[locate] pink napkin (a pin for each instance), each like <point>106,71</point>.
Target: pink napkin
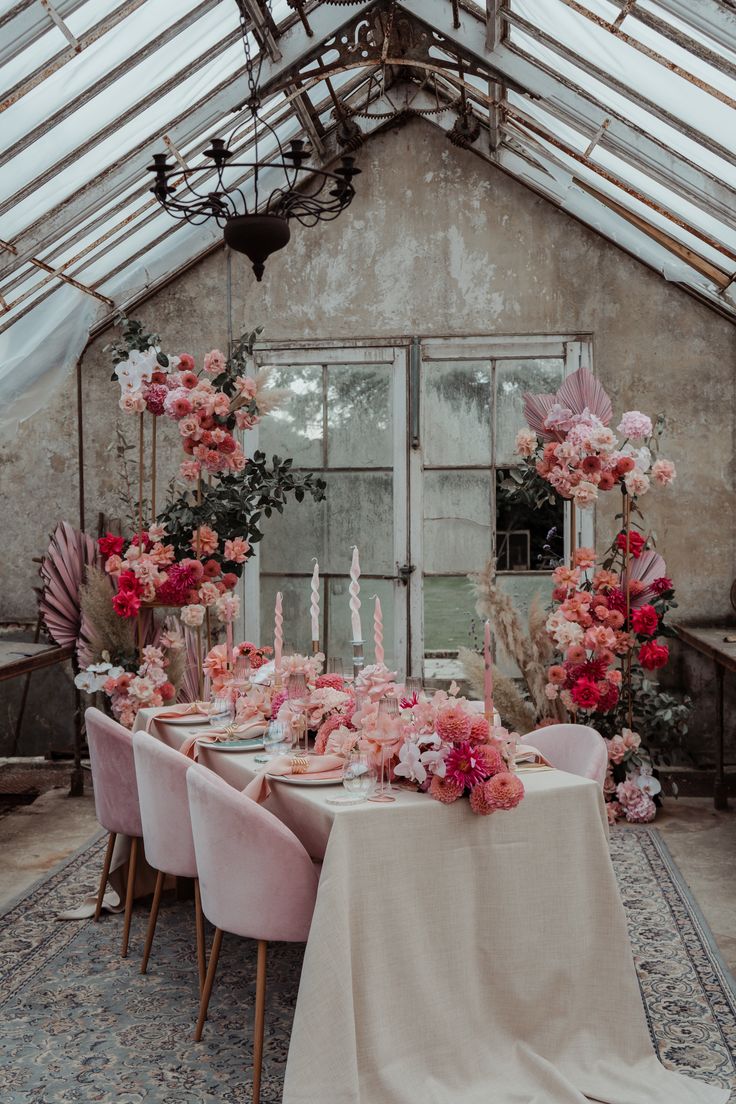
<point>217,735</point>
<point>318,766</point>
<point>526,754</point>
<point>193,709</point>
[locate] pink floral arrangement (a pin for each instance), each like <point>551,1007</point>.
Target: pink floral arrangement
<point>132,685</point>
<point>570,445</point>
<point>215,662</point>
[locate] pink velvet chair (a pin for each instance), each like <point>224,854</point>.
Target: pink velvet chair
<point>575,748</point>
<point>116,799</point>
<point>256,881</point>
<point>167,829</point>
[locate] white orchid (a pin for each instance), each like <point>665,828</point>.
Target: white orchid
<point>95,676</point>
<point>410,764</point>
<point>138,367</point>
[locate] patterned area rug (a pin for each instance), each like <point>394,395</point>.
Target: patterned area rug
<point>79,1024</point>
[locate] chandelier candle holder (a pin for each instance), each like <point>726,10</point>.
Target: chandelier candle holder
<point>230,191</point>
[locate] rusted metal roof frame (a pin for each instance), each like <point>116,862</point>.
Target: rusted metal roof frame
<point>295,47</point>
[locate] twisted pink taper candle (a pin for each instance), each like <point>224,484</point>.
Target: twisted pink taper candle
<point>278,634</point>
<point>378,630</point>
<point>487,674</point>
<point>354,589</point>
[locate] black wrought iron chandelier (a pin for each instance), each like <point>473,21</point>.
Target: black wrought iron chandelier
<point>257,226</point>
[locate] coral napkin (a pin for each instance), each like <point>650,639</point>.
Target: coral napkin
<point>217,735</point>
<point>318,766</point>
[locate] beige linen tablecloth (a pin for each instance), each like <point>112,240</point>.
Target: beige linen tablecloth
<point>456,959</point>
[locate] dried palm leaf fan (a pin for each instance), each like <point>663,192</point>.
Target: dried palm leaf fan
<point>62,572</point>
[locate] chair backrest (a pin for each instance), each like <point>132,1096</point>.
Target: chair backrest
<point>255,878</point>
<point>161,773</point>
<point>113,774</point>
<point>575,748</point>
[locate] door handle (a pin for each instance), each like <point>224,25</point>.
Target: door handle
<point>404,572</point>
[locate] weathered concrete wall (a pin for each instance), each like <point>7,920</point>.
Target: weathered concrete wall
<point>435,243</point>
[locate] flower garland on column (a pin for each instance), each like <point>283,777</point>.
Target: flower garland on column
<point>608,617</point>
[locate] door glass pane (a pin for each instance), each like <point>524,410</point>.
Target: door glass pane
<point>291,539</point>
<point>340,633</point>
<point>456,413</point>
<point>359,416</point>
<point>295,428</point>
<point>296,595</point>
<point>359,512</point>
<point>513,378</point>
<point>457,520</point>
<point>449,611</point>
<point>527,538</point>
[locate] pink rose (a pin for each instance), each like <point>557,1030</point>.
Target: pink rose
<point>189,470</point>
<point>585,494</point>
<point>214,362</point>
<point>616,749</point>
<point>236,550</point>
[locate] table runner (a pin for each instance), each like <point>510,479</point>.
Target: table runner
<point>456,959</point>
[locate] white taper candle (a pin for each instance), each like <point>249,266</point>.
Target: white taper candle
<point>354,599</point>
<point>314,606</point>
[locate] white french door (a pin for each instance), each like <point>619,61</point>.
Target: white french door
<point>415,441</point>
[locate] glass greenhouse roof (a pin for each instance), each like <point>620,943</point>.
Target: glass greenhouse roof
<point>622,112</point>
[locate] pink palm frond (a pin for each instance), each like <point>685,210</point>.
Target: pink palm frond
<point>62,573</point>
<point>582,391</point>
<point>646,569</point>
<point>536,409</point>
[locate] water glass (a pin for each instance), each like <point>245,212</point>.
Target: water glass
<point>222,710</point>
<point>276,741</point>
<point>359,775</point>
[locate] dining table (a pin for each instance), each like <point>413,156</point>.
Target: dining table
<point>461,959</point>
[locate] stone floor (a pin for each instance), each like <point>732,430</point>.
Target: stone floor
<point>35,838</point>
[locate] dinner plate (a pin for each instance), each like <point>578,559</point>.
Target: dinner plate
<point>255,743</point>
<point>305,780</point>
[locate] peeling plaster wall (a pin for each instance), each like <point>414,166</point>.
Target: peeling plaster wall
<point>437,242</point>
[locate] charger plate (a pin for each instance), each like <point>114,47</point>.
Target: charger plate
<point>255,743</point>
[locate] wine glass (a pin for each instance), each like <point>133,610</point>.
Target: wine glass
<point>359,774</point>
<point>413,686</point>
<point>297,693</point>
<point>388,707</point>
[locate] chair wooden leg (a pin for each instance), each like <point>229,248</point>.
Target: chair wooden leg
<point>155,903</point>
<point>260,1018</point>
<point>105,874</point>
<point>199,925</point>
<point>129,895</point>
<point>205,998</point>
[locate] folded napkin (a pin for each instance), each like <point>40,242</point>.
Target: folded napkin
<point>221,735</point>
<point>192,709</point>
<point>318,766</point>
<point>526,755</point>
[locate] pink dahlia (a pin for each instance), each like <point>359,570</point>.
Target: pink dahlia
<point>480,730</point>
<point>464,766</point>
<point>445,790</point>
<point>504,790</point>
<point>490,758</point>
<point>453,724</point>
<point>479,801</point>
<point>334,681</point>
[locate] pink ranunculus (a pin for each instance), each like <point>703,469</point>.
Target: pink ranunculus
<point>221,404</point>
<point>575,654</point>
<point>132,402</point>
<point>566,576</point>
<point>236,550</point>
<point>214,362</point>
<point>632,740</point>
<point>557,673</point>
<point>635,425</point>
<point>186,362</point>
<point>663,472</point>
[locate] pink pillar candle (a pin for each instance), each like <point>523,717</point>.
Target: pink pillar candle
<point>488,674</point>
